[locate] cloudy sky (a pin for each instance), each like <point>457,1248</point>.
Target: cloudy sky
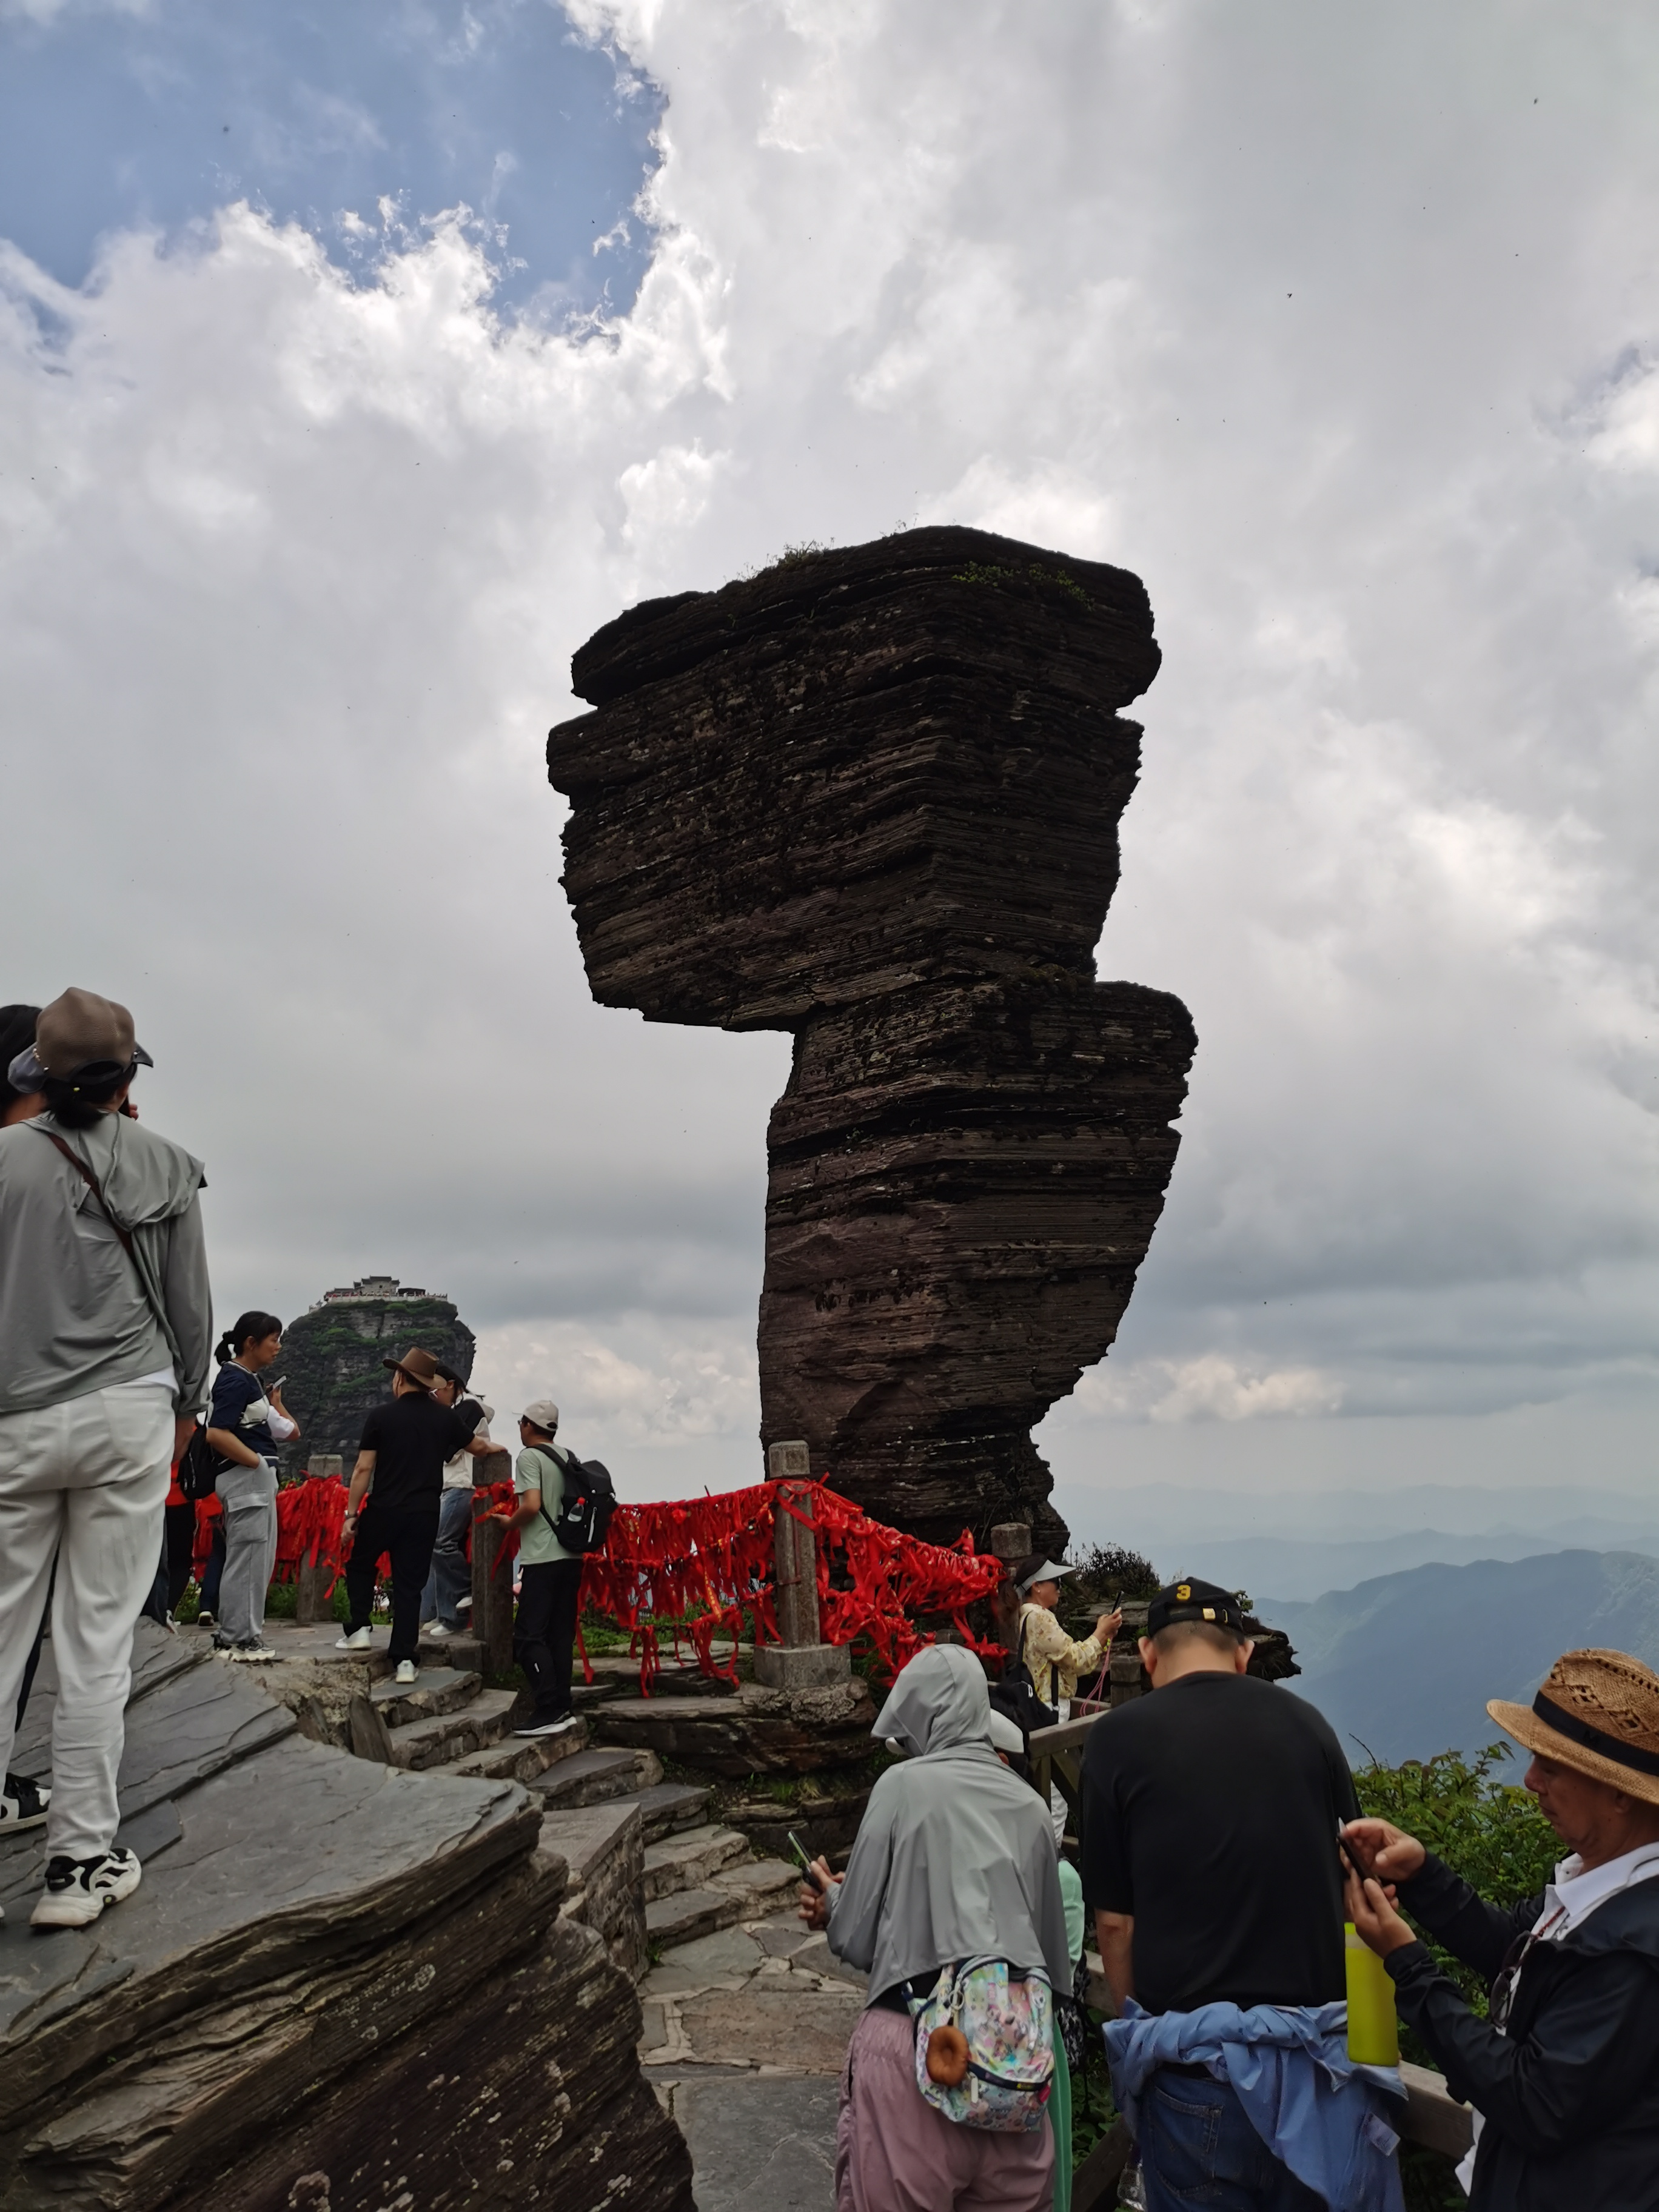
<point>356,364</point>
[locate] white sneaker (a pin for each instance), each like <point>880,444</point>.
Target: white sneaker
<point>77,1890</point>
<point>252,1653</point>
<point>548,1728</point>
<point>23,1805</point>
<point>437,1634</point>
<point>406,1671</point>
<point>357,1639</point>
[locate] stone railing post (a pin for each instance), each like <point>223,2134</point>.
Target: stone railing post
<point>1011,1540</point>
<point>801,1662</point>
<point>492,1593</point>
<point>310,1601</point>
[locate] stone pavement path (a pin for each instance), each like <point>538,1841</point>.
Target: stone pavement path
<point>745,2032</point>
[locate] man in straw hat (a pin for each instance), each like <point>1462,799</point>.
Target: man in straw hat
<point>1563,2074</point>
<point>400,1470</point>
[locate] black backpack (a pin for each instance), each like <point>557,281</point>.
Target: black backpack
<point>589,1501</point>
<point>1014,1695</point>
<point>199,1468</point>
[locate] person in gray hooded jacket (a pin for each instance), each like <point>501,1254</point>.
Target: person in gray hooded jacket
<point>954,1861</point>
<point>105,1334</point>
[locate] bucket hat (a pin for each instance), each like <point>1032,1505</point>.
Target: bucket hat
<point>1598,1712</point>
<point>79,1035</point>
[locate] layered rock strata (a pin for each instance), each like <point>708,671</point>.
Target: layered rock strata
<point>339,1988</point>
<point>871,797</point>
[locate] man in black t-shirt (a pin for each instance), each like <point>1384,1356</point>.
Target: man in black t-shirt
<point>1209,1856</point>
<point>404,1444</point>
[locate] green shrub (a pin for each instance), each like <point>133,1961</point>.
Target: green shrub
<point>1490,1831</point>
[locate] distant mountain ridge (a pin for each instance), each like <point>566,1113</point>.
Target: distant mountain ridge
<point>1402,1665</point>
<point>1295,1545</point>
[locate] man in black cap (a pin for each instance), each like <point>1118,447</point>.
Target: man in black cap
<point>1210,1813</point>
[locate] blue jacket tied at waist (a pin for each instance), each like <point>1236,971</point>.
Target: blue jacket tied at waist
<point>1325,2117</point>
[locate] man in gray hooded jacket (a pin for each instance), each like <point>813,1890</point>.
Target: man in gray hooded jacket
<point>105,1330</point>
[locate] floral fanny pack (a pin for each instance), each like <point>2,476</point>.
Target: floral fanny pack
<point>985,2047</point>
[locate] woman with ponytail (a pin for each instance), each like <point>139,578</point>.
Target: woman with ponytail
<point>246,1424</point>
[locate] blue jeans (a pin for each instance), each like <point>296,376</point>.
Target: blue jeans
<point>1198,2148</point>
<point>452,1573</point>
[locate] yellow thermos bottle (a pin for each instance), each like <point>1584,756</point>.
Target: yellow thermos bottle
<point>1373,2023</point>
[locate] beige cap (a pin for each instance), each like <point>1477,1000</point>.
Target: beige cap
<point>542,1414</point>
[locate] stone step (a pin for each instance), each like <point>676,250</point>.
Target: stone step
<point>443,1738</point>
<point>515,1757</point>
<point>601,1846</point>
<point>434,1690</point>
<point>668,1806</point>
<point>586,1695</point>
<point>462,1651</point>
<point>747,1891</point>
<point>690,1860</point>
<point>595,1778</point>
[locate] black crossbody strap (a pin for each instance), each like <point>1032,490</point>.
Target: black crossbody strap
<point>91,1180</point>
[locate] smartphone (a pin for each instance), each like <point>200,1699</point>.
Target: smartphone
<point>799,1851</point>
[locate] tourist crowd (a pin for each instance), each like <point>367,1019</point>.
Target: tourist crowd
<point>1220,1843</point>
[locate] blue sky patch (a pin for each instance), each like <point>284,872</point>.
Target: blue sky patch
<point>111,116</point>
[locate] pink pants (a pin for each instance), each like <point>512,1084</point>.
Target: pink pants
<point>894,2153</point>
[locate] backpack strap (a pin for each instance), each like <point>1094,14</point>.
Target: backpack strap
<point>549,1451</point>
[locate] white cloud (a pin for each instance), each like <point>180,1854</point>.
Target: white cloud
<point>1209,1388</point>
<point>1294,313</point>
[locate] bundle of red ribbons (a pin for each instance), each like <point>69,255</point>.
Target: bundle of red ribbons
<point>692,1568</point>
<point>696,1565</point>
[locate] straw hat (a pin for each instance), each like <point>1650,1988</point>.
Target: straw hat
<point>1599,1714</point>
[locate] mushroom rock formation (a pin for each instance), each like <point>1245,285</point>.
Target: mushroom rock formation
<point>871,796</point>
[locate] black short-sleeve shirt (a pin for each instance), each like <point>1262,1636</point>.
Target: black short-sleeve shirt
<point>410,1437</point>
<point>1210,1811</point>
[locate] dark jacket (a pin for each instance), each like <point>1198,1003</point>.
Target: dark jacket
<point>1570,2093</point>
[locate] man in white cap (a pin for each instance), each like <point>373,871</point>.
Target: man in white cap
<point>550,1585</point>
<point>106,1337</point>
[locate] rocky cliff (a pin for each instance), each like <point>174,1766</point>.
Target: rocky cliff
<point>871,797</point>
<point>338,1988</point>
<point>332,1356</point>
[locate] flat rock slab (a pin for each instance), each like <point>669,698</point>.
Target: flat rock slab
<point>728,1955</point>
<point>592,1778</point>
<point>751,1731</point>
<point>321,1996</point>
<point>759,2145</point>
<point>772,2024</point>
<point>290,1856</point>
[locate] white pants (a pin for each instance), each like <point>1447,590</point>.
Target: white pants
<point>84,1482</point>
